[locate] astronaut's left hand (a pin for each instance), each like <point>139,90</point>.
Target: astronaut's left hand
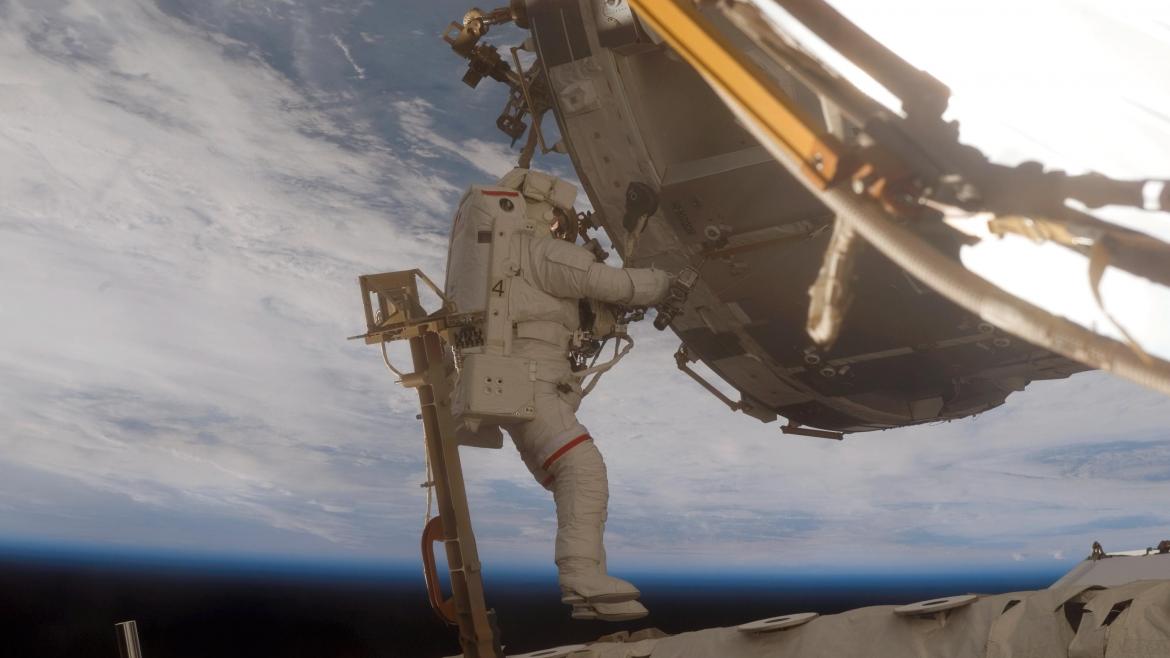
<point>681,285</point>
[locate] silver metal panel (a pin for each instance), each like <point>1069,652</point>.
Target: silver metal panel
<point>642,114</point>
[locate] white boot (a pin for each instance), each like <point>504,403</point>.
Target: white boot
<point>583,582</point>
<point>625,611</point>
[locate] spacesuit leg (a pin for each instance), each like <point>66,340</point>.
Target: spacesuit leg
<point>561,456</point>
<point>581,491</point>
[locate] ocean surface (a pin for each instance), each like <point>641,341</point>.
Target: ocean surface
<point>57,602</point>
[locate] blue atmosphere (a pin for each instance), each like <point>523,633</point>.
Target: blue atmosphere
<point>197,184</point>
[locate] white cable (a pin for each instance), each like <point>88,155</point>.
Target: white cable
<point>602,368</point>
<point>429,484</point>
<point>386,360</point>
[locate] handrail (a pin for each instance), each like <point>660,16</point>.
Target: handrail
<point>444,607</point>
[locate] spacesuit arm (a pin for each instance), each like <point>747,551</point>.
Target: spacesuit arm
<point>566,270</point>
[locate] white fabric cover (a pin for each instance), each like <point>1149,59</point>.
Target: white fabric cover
<point>555,274</point>
<point>533,297</point>
<point>549,189</point>
<point>581,491</point>
<point>1131,620</point>
<point>649,286</point>
<point>1035,623</point>
<point>1118,570</point>
<point>556,421</point>
<point>540,187</point>
<point>1035,627</point>
<point>570,272</point>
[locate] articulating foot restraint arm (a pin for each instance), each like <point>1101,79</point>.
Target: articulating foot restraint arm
<point>393,312</point>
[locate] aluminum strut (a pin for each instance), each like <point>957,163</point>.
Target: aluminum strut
<point>393,312</point>
<point>478,634</point>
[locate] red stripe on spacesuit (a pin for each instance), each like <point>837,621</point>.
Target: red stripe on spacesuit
<point>563,449</point>
<point>548,480</point>
<point>499,193</point>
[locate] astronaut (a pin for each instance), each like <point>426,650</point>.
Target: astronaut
<point>546,278</point>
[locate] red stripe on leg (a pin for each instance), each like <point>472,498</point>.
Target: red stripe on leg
<point>563,449</point>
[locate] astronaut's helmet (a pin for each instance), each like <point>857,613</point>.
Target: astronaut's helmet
<point>548,200</point>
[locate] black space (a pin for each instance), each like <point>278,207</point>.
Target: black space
<point>68,608</point>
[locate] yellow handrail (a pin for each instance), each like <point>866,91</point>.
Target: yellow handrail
<point>734,75</point>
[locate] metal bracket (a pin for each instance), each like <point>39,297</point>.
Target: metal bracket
<point>681,357</point>
<point>393,310</point>
<point>795,428</point>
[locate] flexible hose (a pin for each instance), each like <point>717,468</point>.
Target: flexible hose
<point>598,370</point>
<point>975,294</point>
<point>429,485</point>
<point>949,278</point>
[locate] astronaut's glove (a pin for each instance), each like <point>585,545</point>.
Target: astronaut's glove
<point>679,290</point>
<point>650,286</point>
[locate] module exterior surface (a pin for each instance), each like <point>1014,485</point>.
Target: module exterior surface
<point>630,110</point>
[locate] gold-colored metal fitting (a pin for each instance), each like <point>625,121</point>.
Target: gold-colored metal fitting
<point>394,311</point>
<point>742,81</point>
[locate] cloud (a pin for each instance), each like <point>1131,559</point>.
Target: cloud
<point>415,119</point>
<point>1147,461</point>
<point>185,214</point>
<point>180,241</point>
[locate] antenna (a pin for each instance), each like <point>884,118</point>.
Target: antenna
<point>127,633</point>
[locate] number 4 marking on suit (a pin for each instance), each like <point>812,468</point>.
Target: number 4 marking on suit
<point>499,288</point>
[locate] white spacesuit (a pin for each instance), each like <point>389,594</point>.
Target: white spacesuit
<point>529,283</point>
